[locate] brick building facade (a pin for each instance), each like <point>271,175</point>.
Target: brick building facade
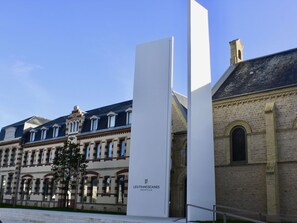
<point>255,138</point>
<point>103,134</point>
<point>255,134</point>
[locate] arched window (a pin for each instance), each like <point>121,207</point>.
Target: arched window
<point>238,144</point>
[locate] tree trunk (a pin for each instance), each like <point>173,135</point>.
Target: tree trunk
<point>66,185</point>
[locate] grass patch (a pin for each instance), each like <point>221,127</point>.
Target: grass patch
<point>60,209</point>
<point>222,221</point>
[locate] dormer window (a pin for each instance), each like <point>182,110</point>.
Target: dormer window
<point>94,123</point>
<point>73,126</point>
<point>43,133</point>
<point>32,135</point>
<point>9,133</point>
<point>55,130</point>
<point>129,116</point>
<point>111,119</point>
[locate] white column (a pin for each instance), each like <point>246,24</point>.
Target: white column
<point>200,165</point>
<point>149,171</point>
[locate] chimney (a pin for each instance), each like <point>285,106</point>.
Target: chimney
<point>236,48</point>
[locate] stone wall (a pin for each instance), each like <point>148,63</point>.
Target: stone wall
<point>267,182</point>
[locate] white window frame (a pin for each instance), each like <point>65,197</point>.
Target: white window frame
<point>111,119</point>
<point>32,135</point>
<point>122,147</point>
<point>94,123</point>
<point>43,133</point>
<point>88,150</point>
<point>110,148</point>
<point>73,126</point>
<point>56,129</point>
<point>98,151</point>
<point>129,116</point>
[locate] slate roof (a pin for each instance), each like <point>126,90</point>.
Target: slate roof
<point>119,109</point>
<point>61,121</point>
<point>182,103</point>
<point>261,74</point>
<point>101,113</point>
<point>20,126</point>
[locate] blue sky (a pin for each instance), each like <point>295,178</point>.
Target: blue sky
<point>55,54</point>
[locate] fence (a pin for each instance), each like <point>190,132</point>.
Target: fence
<point>226,214</point>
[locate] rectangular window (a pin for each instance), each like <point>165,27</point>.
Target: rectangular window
<point>53,190</point>
<point>111,121</point>
<point>48,154</point>
<point>6,157</point>
<point>129,118</point>
<point>32,136</point>
<point>12,157</point>
<point>9,182</point>
<point>45,189</point>
<point>73,126</point>
<point>43,134</point>
<point>76,126</point>
<point>109,152</point>
<point>40,156</point>
<point>32,157</point>
<point>94,124</point>
<point>121,189</point>
<point>85,190</point>
<point>107,184</point>
<point>29,188</point>
<point>58,150</point>
<point>37,185</point>
<point>25,158</point>
<point>94,190</point>
<point>3,185</point>
<point>122,148</point>
<point>0,157</point>
<point>55,132</point>
<point>22,189</point>
<point>70,127</point>
<point>98,151</point>
<point>87,152</point>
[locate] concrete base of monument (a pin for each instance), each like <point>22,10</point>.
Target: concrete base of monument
<point>10,215</point>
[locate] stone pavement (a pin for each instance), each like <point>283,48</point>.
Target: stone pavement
<point>10,215</point>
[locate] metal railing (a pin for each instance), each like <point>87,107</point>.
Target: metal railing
<point>260,214</point>
<point>223,213</point>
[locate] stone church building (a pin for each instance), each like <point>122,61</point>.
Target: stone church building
<point>255,133</point>
<point>255,138</point>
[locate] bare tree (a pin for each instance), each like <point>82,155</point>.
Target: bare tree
<point>68,164</point>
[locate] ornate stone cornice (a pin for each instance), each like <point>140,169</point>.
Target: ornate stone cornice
<point>254,97</point>
<point>45,142</point>
<point>10,142</point>
<point>104,133</point>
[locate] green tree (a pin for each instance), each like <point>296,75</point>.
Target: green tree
<point>68,165</point>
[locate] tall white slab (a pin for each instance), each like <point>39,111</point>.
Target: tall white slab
<point>200,169</point>
<point>148,183</point>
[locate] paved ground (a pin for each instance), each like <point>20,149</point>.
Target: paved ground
<point>9,215</point>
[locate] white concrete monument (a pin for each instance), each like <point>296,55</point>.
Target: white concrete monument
<point>149,173</point>
<point>200,163</point>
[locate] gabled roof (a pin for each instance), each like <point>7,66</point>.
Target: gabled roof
<point>182,102</point>
<point>261,74</point>
<point>17,123</point>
